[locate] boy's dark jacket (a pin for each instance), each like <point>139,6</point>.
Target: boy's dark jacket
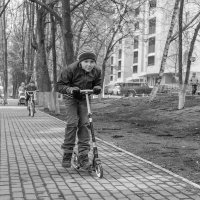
<point>75,76</point>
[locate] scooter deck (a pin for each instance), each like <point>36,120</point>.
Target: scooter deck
<point>78,168</point>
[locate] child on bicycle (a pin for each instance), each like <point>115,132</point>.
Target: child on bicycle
<point>30,88</point>
<point>80,75</point>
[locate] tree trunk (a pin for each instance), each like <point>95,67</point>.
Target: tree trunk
<point>42,73</point>
<point>30,9</point>
<point>53,33</point>
<point>67,32</point>
<point>165,53</point>
<point>182,94</point>
<point>23,38</point>
<point>5,72</point>
<point>182,90</point>
<point>180,41</point>
<point>103,76</point>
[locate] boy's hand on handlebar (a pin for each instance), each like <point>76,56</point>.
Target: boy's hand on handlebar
<point>97,90</point>
<point>74,90</point>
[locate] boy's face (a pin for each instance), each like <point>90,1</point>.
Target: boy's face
<point>88,64</point>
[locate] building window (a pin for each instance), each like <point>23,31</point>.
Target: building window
<point>120,54</point>
<point>119,74</point>
<point>152,4</point>
<point>152,45</point>
<point>111,78</point>
<point>136,25</point>
<point>136,42</point>
<point>119,65</point>
<point>135,57</point>
<point>112,60</point>
<point>152,25</point>
<point>135,69</point>
<point>151,60</point>
<point>137,11</point>
<point>111,69</point>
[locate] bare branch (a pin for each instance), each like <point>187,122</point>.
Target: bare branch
<point>186,26</point>
<point>4,8</point>
<point>77,5</point>
<point>48,8</point>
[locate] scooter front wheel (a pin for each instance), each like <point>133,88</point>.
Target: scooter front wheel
<point>99,170</point>
<point>75,161</point>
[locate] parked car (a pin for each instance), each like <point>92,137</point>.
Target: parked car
<point>117,90</point>
<point>114,89</point>
<point>133,89</point>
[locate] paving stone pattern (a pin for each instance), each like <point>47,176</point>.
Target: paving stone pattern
<point>30,167</point>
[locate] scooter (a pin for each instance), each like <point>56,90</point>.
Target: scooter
<point>96,163</point>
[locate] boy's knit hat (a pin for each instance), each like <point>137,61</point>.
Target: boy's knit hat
<point>86,54</point>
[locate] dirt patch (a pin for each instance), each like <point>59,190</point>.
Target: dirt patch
<point>156,131</point>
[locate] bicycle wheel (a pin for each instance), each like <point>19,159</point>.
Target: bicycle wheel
<point>32,110</point>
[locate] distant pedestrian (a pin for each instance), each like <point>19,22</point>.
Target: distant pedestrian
<point>80,75</point>
<point>194,82</point>
<point>21,89</point>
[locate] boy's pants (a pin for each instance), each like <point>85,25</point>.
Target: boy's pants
<point>77,123</point>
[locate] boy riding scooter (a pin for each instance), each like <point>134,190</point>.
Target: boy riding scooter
<point>80,75</point>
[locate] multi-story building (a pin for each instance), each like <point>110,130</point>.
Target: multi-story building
<point>138,59</point>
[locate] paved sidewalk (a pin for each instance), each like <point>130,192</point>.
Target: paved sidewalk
<point>30,167</point>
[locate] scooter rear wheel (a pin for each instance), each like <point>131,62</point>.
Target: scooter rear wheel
<point>99,170</point>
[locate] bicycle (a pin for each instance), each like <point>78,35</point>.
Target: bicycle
<point>31,104</point>
<point>3,101</point>
<point>96,163</point>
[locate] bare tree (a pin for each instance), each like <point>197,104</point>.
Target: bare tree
<point>65,23</point>
<point>165,52</point>
<point>183,87</point>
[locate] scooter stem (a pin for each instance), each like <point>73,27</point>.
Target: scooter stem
<point>88,104</point>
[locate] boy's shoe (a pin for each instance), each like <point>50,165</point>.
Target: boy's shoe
<point>66,162</point>
<point>84,163</point>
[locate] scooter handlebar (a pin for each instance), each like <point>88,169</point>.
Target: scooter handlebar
<point>86,91</point>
